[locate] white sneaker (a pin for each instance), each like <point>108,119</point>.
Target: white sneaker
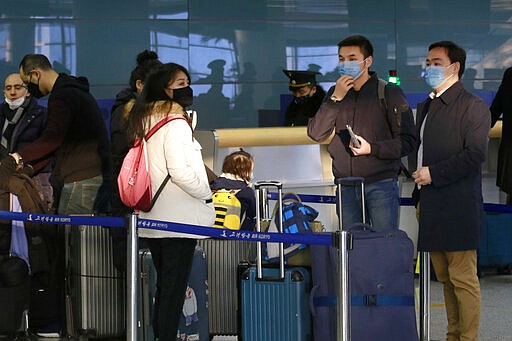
<point>49,334</point>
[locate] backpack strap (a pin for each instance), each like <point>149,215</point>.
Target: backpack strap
<point>163,122</point>
<point>150,133</point>
<point>381,91</point>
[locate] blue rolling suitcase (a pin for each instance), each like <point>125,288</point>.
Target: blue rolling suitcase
<point>194,319</point>
<point>496,241</point>
<point>274,302</point>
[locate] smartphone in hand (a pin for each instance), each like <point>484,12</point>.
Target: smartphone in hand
<point>355,141</point>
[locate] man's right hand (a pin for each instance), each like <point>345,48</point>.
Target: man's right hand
<point>343,85</point>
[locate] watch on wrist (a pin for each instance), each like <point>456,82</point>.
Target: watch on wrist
<point>335,99</point>
<point>17,158</point>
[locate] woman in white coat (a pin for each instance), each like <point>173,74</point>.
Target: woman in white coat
<point>186,197</point>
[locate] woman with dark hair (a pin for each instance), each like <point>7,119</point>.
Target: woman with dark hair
<point>119,144</point>
<point>185,198</point>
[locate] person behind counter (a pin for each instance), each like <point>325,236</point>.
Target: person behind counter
<point>307,97</point>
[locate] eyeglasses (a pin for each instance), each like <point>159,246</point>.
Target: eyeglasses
<point>16,87</point>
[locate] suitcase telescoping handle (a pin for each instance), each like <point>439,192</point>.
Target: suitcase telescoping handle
<point>263,213</point>
<point>349,181</point>
<point>344,245</point>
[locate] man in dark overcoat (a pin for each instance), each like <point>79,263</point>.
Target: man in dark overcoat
<point>453,126</point>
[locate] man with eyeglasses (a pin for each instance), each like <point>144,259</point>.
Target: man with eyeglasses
<point>22,121</point>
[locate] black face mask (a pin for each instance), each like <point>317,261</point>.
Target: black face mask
<point>183,96</point>
<point>302,99</point>
<point>34,89</point>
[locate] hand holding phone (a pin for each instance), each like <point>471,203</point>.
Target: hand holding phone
<point>353,137</point>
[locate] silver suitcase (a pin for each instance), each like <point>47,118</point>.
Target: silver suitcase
<point>223,259</point>
<point>95,289</point>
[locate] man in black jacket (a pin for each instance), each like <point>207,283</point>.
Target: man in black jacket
<point>385,133</point>
<point>75,136</point>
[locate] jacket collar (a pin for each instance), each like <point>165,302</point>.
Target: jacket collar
<point>450,94</point>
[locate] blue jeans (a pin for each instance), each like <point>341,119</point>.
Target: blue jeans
<point>78,197</point>
<point>381,200</point>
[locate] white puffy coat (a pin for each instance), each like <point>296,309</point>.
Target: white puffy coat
<point>173,150</point>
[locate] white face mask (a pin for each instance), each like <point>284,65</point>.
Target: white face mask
<point>13,105</point>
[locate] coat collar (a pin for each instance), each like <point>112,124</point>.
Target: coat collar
<point>450,94</point>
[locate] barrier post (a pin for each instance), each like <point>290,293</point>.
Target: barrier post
<point>132,278</point>
<point>425,296</point>
<point>342,297</point>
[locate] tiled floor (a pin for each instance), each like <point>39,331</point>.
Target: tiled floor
<point>496,324</point>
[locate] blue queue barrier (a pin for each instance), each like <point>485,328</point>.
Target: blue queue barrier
<point>338,240</point>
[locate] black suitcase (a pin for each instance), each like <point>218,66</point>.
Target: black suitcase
<point>14,296</point>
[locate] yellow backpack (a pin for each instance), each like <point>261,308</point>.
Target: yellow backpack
<point>227,209</point>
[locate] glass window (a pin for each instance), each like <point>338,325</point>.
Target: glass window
<point>57,41</point>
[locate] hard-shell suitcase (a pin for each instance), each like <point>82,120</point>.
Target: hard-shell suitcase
<point>193,324</point>
<point>223,258</point>
<point>95,289</point>
<point>381,277</point>
<point>496,242</point>
<point>274,302</point>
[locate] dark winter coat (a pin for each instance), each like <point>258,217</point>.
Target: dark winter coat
<point>502,106</point>
<point>76,134</point>
<point>455,140</point>
<point>299,114</point>
<point>119,146</point>
<point>29,127</point>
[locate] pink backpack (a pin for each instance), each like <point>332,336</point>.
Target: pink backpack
<point>133,180</point>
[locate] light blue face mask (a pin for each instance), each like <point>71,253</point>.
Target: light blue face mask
<point>434,75</point>
<point>350,68</point>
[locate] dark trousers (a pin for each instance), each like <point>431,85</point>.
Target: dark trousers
<point>173,261</point>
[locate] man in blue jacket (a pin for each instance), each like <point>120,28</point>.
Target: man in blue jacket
<point>453,126</point>
<point>385,132</point>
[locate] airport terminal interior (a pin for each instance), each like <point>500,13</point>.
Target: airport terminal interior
<point>236,52</point>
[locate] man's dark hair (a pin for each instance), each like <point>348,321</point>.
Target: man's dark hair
<point>454,52</point>
<point>32,61</point>
<point>358,40</point>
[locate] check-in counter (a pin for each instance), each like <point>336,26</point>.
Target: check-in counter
<point>285,154</point>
